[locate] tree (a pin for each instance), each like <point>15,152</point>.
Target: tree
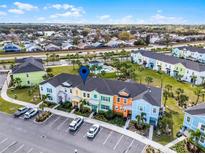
<point>166,95</point>
<point>47,55</point>
<point>73,62</point>
<point>17,82</point>
<point>198,93</point>
<point>182,100</point>
<point>195,135</point>
<point>168,87</point>
<point>149,80</point>
<point>125,36</point>
<point>179,91</point>
<point>203,79</point>
<point>167,39</point>
<point>193,79</point>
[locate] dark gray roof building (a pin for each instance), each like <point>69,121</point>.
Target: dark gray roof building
<point>199,109</point>
<point>172,60</point>
<point>28,65</point>
<point>108,87</point>
<point>192,49</point>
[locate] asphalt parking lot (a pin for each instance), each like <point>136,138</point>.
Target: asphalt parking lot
<point>56,128</point>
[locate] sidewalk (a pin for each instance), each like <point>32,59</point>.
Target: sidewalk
<point>5,96</point>
<point>115,128</point>
<point>175,141</point>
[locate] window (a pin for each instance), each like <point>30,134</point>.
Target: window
<point>154,110</point>
<point>106,99</point>
<point>65,90</point>
<point>84,94</point>
<point>105,107</point>
<point>125,100</point>
<point>188,119</point>
<point>28,82</point>
<point>41,88</point>
<point>27,75</point>
<point>203,128</point>
<point>88,95</point>
<point>116,107</point>
<point>140,108</point>
<point>118,99</point>
<point>49,90</point>
<point>50,98</point>
<point>70,90</point>
<point>202,139</point>
<point>95,96</point>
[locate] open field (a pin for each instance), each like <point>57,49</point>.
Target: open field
<point>8,107</point>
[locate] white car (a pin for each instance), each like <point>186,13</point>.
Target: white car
<point>94,129</point>
<point>76,123</point>
<point>30,113</point>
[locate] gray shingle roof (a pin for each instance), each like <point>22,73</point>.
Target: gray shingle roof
<point>28,65</point>
<point>199,109</point>
<point>173,60</point>
<point>192,49</point>
<point>108,87</point>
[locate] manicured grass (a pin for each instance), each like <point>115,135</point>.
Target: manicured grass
<point>67,107</point>
<point>64,69</point>
<point>180,147</point>
<point>8,107</point>
<point>23,94</point>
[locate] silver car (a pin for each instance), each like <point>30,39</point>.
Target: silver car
<point>94,129</point>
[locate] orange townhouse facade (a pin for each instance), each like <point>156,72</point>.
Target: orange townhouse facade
<point>120,101</point>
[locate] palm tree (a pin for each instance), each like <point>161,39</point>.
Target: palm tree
<point>193,79</point>
<point>203,79</point>
<point>73,62</point>
<point>179,91</point>
<point>195,135</point>
<point>149,80</point>
<point>182,100</point>
<point>17,82</point>
<point>166,95</point>
<point>47,54</point>
<point>168,87</point>
<point>198,93</point>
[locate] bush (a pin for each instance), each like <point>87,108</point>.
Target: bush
<point>109,115</point>
<point>85,110</point>
<point>43,116</point>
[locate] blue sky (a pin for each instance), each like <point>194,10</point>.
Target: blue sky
<point>104,11</point>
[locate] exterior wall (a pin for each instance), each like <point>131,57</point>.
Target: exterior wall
<point>118,106</point>
<point>34,78</point>
<point>180,69</point>
<point>141,106</point>
<point>194,123</point>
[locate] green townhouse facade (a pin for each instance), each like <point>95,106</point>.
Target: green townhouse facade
<point>183,69</point>
<point>29,70</point>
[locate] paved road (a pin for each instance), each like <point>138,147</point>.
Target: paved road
<point>18,135</point>
<point>2,79</point>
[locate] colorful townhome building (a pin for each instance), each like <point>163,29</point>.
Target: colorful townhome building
<point>126,98</point>
<point>29,70</point>
<point>185,70</point>
<point>188,52</point>
<point>194,119</point>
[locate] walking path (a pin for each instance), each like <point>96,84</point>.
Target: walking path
<point>115,128</point>
<point>127,123</point>
<point>175,141</point>
<point>7,98</point>
<point>151,129</point>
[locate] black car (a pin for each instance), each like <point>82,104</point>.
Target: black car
<point>21,111</point>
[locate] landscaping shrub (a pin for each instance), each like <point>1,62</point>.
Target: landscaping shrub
<point>43,116</point>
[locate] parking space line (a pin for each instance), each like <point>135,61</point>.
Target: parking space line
<point>13,143</point>
<point>62,123</point>
<point>51,124</point>
<point>108,137</point>
<point>130,146</point>
<point>19,148</point>
<point>79,129</point>
<point>101,128</point>
<point>4,140</point>
<point>118,142</point>
<point>29,150</point>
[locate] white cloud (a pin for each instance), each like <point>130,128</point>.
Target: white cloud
<point>25,6</point>
<point>16,11</point>
<point>41,18</point>
<point>62,6</point>
<point>2,13</point>
<point>73,12</point>
<point>162,19</point>
<point>104,17</point>
<point>3,6</point>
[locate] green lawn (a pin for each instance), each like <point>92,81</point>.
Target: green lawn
<point>8,107</point>
<point>64,69</point>
<point>23,95</point>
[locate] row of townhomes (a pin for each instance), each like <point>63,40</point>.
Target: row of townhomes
<point>30,71</point>
<point>183,69</point>
<point>126,98</point>
<point>194,119</point>
<point>188,52</point>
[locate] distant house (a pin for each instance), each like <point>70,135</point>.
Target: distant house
<point>194,119</point>
<point>11,47</point>
<point>97,45</point>
<point>67,45</point>
<point>188,52</point>
<point>29,70</point>
<point>33,48</point>
<point>52,47</point>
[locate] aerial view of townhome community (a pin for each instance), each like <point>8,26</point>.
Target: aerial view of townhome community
<point>117,76</point>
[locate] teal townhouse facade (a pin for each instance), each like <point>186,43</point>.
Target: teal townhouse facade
<point>126,98</point>
<point>188,52</point>
<point>194,119</point>
<point>186,70</point>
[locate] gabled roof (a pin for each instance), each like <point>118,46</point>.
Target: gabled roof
<point>28,65</point>
<point>199,109</point>
<point>192,49</point>
<point>107,87</point>
<point>172,60</point>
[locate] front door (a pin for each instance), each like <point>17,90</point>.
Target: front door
<point>94,108</point>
